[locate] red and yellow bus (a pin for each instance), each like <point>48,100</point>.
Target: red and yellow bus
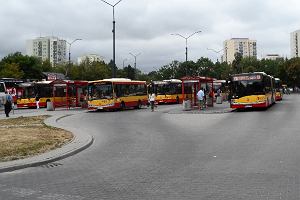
<point>45,92</point>
<point>252,90</point>
<point>11,86</point>
<point>116,93</point>
<point>167,91</point>
<point>279,89</point>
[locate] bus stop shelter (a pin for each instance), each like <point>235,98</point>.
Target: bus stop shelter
<point>192,84</point>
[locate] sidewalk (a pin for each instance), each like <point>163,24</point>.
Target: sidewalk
<point>216,109</point>
<point>80,141</point>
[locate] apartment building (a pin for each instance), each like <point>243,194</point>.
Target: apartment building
<point>51,48</point>
<point>273,57</point>
<point>244,46</point>
<point>90,58</point>
<point>295,43</point>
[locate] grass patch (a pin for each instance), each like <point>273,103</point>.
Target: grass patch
<point>28,136</point>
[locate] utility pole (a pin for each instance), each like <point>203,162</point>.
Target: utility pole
<point>114,37</point>
<point>186,41</point>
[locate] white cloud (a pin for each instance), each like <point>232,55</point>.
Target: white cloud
<point>145,26</point>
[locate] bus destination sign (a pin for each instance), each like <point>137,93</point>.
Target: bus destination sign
<point>247,77</point>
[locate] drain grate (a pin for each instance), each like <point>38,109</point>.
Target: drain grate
<point>51,165</point>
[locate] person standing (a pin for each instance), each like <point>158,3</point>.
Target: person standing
<point>218,92</point>
<point>152,101</point>
<point>37,101</point>
<point>7,103</point>
<point>200,96</point>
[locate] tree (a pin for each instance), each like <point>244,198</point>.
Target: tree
<point>11,71</point>
<point>236,63</point>
<point>293,71</point>
<point>249,64</point>
<point>205,67</point>
<point>222,70</point>
<point>130,72</point>
<point>31,66</point>
<point>46,66</point>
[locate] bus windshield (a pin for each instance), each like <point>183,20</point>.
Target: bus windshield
<point>28,92</point>
<point>168,89</point>
<point>247,87</point>
<point>161,89</point>
<point>101,91</point>
<point>278,85</point>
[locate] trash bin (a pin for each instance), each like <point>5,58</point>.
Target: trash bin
<point>209,101</point>
<point>219,100</point>
<point>50,106</point>
<point>187,105</point>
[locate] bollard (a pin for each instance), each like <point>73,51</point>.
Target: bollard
<point>50,106</point>
<point>187,105</point>
<point>219,100</point>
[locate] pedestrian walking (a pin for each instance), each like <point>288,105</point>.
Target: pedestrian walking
<point>7,103</point>
<point>152,101</point>
<point>200,96</point>
<point>218,92</point>
<point>37,101</point>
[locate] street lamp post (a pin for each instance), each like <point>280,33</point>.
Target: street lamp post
<point>217,52</point>
<point>135,58</point>
<point>70,44</point>
<point>186,39</point>
<point>124,62</point>
<point>114,37</point>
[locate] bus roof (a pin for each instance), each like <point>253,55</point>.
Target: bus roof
<point>44,82</point>
<point>249,73</point>
<point>163,82</point>
<point>173,81</point>
<point>219,81</point>
<point>26,84</point>
<point>159,82</point>
<point>118,80</point>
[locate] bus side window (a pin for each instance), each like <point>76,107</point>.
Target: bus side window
<point>119,91</point>
<point>126,90</point>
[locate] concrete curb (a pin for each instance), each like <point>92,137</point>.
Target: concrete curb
<point>79,143</point>
<point>221,111</point>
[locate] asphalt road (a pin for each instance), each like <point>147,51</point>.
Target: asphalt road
<point>138,154</point>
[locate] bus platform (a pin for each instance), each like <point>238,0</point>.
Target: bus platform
<point>216,109</point>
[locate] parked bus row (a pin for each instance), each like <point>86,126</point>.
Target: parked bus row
<point>243,90</point>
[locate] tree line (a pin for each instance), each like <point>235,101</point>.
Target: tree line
<point>20,66</point>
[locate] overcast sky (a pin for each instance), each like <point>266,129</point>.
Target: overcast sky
<point>145,26</point>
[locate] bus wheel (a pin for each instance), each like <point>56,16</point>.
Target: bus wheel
<point>123,105</point>
<point>139,105</point>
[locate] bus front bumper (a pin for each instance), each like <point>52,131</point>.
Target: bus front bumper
<point>252,105</point>
<point>95,108</point>
<point>278,98</point>
<point>161,101</point>
<point>26,105</point>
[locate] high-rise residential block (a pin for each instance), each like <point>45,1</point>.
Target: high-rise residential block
<point>51,48</point>
<point>295,43</point>
<point>244,46</point>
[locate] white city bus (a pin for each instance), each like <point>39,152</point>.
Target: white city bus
<point>2,93</point>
